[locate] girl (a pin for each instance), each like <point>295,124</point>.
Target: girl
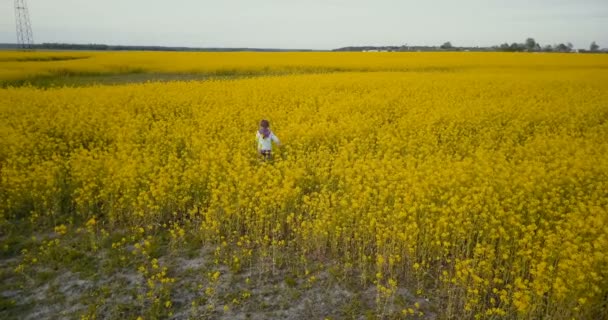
<point>265,137</point>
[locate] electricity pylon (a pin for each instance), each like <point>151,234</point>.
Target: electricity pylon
<point>25,37</point>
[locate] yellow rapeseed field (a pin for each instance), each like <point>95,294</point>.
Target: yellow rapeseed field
<point>19,65</point>
<point>478,179</point>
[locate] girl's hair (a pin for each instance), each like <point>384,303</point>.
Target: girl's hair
<point>264,123</point>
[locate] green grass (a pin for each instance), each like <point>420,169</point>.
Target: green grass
<point>81,80</point>
<point>127,75</point>
<point>42,58</point>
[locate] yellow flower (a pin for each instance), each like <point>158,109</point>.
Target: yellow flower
<point>61,229</point>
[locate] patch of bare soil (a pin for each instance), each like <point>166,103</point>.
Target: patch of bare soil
<point>256,292</point>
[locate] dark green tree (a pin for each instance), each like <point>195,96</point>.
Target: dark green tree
<point>530,44</point>
<point>562,48</point>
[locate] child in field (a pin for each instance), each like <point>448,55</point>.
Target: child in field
<point>264,138</point>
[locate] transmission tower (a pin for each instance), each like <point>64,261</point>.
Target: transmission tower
<point>25,38</point>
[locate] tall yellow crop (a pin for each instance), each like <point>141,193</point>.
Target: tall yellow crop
<point>482,178</point>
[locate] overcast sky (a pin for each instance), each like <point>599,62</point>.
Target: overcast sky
<point>314,24</point>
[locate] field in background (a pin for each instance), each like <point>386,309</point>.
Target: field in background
<point>19,68</point>
<point>422,185</point>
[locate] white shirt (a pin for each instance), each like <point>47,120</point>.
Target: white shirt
<point>266,143</point>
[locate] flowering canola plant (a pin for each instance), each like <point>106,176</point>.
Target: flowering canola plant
<point>486,186</point>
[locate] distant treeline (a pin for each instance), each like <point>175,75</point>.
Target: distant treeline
<point>530,45</point>
<point>411,48</point>
<point>105,47</point>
